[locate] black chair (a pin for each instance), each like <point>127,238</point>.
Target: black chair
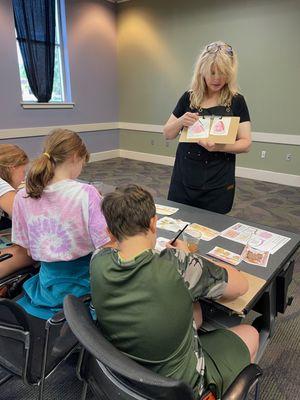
<point>11,285</point>
<point>5,222</point>
<point>112,375</point>
<point>32,348</point>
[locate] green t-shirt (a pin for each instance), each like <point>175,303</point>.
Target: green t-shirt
<point>144,307</point>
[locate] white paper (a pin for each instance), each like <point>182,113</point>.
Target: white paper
<point>170,224</point>
<point>165,210</point>
<point>161,243</point>
<point>254,256</point>
<point>201,231</point>
<point>256,238</point>
<point>225,255</point>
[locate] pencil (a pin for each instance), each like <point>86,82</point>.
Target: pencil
<point>178,234</point>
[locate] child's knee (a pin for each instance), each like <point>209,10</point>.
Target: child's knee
<point>253,340</point>
<point>197,313</point>
<point>250,337</point>
<point>253,333</point>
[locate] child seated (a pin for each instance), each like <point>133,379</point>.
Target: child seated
<point>59,222</point>
<point>144,299</point>
<point>13,163</point>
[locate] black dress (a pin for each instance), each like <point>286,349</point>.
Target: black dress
<point>201,178</point>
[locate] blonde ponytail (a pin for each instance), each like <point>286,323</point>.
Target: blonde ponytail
<point>59,146</point>
<point>40,174</point>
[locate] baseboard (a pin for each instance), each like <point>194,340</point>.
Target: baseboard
<point>104,155</point>
<point>148,157</point>
<point>242,172</point>
<point>268,176</point>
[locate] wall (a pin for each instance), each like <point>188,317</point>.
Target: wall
<point>91,40</point>
<point>158,42</point>
<point>94,141</point>
<point>156,46</point>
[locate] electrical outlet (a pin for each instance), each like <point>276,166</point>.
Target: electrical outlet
<point>167,143</point>
<point>288,157</point>
<point>152,142</point>
<point>263,154</point>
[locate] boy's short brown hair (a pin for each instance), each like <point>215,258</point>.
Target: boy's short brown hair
<point>128,211</point>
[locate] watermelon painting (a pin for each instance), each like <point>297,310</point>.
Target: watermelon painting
<point>219,127</point>
<point>197,128</point>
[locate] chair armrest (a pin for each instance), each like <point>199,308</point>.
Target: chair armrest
<point>5,256</point>
<point>16,311</point>
<point>85,299</point>
<point>19,273</point>
<point>240,387</point>
<point>59,317</point>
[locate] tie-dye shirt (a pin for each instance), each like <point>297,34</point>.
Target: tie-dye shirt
<point>66,223</point>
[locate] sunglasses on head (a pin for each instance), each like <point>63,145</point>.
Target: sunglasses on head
<point>214,47</point>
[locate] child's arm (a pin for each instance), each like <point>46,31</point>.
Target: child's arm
<point>7,202</point>
<point>97,223</point>
<point>19,232</point>
<point>206,279</point>
<point>237,284</point>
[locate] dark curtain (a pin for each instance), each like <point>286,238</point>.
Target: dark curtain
<point>35,26</point>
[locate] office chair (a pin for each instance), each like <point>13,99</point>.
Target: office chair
<point>32,348</point>
<point>112,375</point>
<point>11,285</point>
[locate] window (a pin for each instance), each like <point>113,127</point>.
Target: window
<point>59,86</point>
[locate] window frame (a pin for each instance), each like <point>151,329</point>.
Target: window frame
<point>61,43</point>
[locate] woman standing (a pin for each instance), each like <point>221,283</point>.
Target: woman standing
<point>204,172</point>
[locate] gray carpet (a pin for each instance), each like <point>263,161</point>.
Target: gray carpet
<point>266,203</point>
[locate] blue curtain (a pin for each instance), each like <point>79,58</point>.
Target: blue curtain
<point>35,26</point>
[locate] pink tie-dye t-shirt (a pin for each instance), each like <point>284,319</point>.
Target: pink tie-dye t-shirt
<point>64,224</point>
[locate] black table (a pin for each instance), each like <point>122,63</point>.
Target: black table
<point>272,297</point>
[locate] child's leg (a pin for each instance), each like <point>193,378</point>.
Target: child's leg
<point>249,336</point>
<point>197,313</point>
<point>19,260</point>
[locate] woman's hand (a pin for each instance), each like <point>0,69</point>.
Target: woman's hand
<point>188,119</point>
<point>207,144</point>
<point>179,244</point>
<point>174,124</point>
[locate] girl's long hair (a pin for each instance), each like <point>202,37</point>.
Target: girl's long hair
<point>59,146</point>
<point>217,55</point>
<point>11,156</point>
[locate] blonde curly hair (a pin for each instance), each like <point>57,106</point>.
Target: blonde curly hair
<point>221,56</point>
